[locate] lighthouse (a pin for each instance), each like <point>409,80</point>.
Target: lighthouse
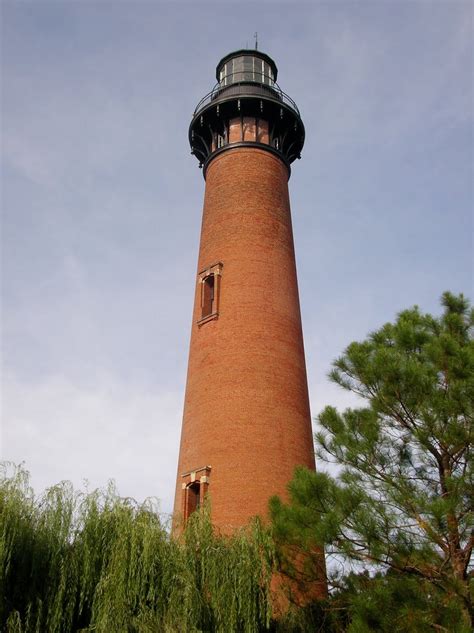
<point>246,422</point>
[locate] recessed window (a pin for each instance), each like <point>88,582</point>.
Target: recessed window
<point>193,498</point>
<point>195,487</point>
<point>209,290</point>
<point>208,287</point>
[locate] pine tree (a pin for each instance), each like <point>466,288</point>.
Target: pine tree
<point>402,503</point>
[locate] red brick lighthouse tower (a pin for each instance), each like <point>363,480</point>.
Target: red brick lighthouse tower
<point>246,421</point>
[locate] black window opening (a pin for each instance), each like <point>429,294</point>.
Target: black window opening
<point>208,296</point>
<point>193,498</point>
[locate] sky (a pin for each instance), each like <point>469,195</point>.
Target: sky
<point>102,202</point>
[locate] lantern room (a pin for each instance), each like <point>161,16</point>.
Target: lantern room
<point>246,107</point>
<point>247,66</point>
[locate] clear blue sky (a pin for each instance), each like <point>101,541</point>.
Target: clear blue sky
<point>102,204</point>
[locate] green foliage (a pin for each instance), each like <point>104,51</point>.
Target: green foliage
<point>400,512</point>
<point>395,603</point>
<point>403,498</point>
<point>97,562</point>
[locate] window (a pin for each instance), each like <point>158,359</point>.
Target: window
<point>209,291</point>
<point>237,70</point>
<point>195,485</point>
<point>208,285</point>
<point>248,74</point>
<point>246,68</point>
<point>267,74</point>
<point>194,498</point>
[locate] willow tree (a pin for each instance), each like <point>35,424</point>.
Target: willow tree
<point>77,562</point>
<point>402,502</point>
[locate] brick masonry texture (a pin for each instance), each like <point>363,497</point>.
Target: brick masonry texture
<point>246,410</point>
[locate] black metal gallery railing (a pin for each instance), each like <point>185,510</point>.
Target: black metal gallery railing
<point>247,87</point>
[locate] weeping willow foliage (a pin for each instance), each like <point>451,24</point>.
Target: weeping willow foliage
<point>74,561</point>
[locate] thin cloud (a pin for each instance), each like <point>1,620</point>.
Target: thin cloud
<point>64,431</point>
<point>103,201</point>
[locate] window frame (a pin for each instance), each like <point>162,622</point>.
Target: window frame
<point>215,270</point>
<point>192,480</point>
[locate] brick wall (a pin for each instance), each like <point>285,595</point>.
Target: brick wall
<point>246,411</point>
